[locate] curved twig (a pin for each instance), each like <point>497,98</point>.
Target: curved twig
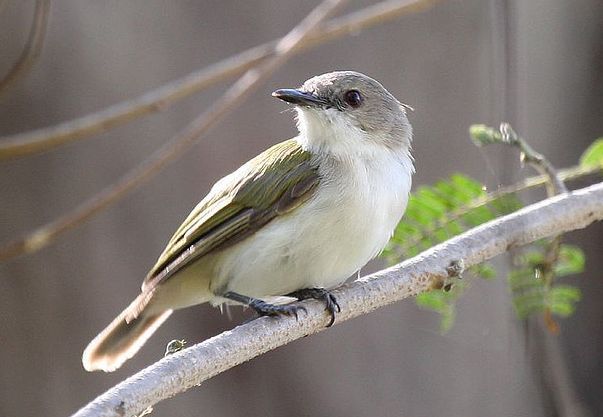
<point>43,235</point>
<point>188,368</point>
<point>567,174</point>
<point>47,138</point>
<point>32,48</point>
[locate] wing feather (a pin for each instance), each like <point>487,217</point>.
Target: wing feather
<point>272,184</point>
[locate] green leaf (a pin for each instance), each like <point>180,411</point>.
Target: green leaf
<point>534,295</point>
<point>432,300</point>
<point>478,216</point>
<point>437,213</point>
<point>593,155</point>
<point>563,309</point>
<point>571,261</point>
<point>522,278</point>
<point>506,204</point>
<point>565,293</point>
<point>484,135</point>
<point>442,303</point>
<point>467,186</point>
<point>484,271</point>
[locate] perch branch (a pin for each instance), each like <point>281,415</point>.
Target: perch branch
<point>32,48</point>
<point>190,367</point>
<point>40,140</point>
<point>176,146</point>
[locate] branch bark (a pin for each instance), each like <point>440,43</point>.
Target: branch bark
<point>188,368</point>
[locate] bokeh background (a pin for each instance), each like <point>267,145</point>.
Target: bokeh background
<point>536,63</point>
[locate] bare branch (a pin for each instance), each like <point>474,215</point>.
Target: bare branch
<point>32,48</point>
<point>43,139</point>
<point>536,159</point>
<point>173,149</point>
<point>188,368</point>
<point>567,174</point>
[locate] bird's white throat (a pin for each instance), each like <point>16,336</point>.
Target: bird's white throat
<point>362,196</point>
<point>329,132</point>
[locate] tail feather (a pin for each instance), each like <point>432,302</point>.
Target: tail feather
<point>121,339</point>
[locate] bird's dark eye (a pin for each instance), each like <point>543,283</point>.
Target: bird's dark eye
<point>353,98</point>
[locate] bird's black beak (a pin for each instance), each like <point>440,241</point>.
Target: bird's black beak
<point>301,98</point>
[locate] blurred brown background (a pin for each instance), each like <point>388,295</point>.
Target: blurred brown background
<point>537,64</point>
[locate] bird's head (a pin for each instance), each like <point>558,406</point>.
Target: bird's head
<point>348,113</point>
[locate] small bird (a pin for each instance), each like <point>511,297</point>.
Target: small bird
<point>296,220</point>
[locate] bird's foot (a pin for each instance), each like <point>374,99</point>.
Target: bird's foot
<point>331,304</point>
<point>262,308</point>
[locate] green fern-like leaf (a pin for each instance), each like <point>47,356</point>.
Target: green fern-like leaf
<point>444,210</point>
<point>451,207</point>
<point>440,212</point>
<point>443,303</point>
<point>534,295</point>
<point>593,156</point>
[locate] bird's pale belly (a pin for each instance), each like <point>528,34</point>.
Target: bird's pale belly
<point>301,250</point>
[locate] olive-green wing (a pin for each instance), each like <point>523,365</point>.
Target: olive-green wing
<point>273,183</point>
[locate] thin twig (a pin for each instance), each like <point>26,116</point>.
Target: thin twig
<point>554,185</point>
<point>32,48</point>
<point>45,234</point>
<point>172,149</point>
<point>190,367</point>
<point>47,138</point>
<point>568,174</point>
<point>536,159</point>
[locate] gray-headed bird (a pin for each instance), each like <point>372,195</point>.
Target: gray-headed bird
<point>296,220</point>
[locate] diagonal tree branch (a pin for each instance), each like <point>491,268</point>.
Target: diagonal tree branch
<point>188,368</point>
<point>33,47</point>
<point>40,140</point>
<point>177,146</point>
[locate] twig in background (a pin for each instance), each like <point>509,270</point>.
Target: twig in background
<point>47,138</point>
<point>567,174</point>
<point>483,135</point>
<point>554,186</point>
<point>537,160</point>
<point>188,368</point>
<point>174,148</point>
<point>32,48</point>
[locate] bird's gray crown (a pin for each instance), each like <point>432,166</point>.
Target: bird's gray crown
<point>336,107</point>
<point>371,107</point>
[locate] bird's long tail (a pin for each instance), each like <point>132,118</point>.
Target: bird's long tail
<point>123,337</point>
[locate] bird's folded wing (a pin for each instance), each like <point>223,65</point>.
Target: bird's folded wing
<point>273,183</point>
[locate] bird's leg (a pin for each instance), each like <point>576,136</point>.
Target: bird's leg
<point>331,304</point>
<point>262,307</point>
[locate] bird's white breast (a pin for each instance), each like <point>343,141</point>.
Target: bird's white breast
<point>346,223</point>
